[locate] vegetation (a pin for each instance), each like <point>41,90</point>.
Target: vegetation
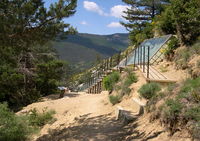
<point>110,80</point>
<point>121,88</point>
<point>181,58</point>
<point>129,79</point>
<point>139,19</point>
<point>40,119</point>
<point>18,128</point>
<point>26,27</point>
<point>181,111</point>
<point>172,46</point>
<point>149,90</point>
<point>12,127</point>
<point>114,99</point>
<point>181,17</point>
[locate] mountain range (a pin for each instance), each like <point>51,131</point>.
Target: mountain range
<point>82,49</point>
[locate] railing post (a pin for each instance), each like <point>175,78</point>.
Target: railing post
<point>111,62</point>
<point>118,59</point>
<point>143,58</point>
<point>148,62</point>
<point>126,58</point>
<point>107,61</point>
<point>135,58</point>
<point>138,52</point>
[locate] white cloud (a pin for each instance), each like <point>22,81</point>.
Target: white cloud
<point>114,25</point>
<point>117,11</point>
<point>92,6</point>
<point>84,23</point>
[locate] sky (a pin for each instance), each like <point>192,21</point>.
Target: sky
<point>97,16</point>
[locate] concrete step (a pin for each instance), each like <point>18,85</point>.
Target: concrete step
<point>125,116</point>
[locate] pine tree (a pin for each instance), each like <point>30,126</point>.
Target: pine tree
<point>186,15</point>
<point>25,27</point>
<point>140,15</point>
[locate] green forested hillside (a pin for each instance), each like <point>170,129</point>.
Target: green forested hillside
<point>82,49</point>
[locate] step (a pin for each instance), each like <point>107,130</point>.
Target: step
<point>125,116</point>
<point>140,104</point>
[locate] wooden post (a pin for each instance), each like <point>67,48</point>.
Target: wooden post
<point>100,86</point>
<point>93,89</point>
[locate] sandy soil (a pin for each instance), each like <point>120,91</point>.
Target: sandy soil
<point>171,71</point>
<point>80,117</point>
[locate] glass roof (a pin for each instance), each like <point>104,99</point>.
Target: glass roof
<point>155,45</point>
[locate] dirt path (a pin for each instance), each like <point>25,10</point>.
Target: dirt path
<point>80,117</point>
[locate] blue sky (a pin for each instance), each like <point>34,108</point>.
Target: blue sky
<point>97,16</point>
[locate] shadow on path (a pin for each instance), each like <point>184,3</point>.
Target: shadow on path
<point>99,128</point>
<point>56,96</point>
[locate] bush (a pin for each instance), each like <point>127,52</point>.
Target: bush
<point>172,46</point>
<point>193,113</point>
<point>190,90</point>
<point>170,114</point>
<point>130,78</point>
<point>150,107</point>
<point>114,99</point>
<point>190,84</point>
<point>12,127</point>
<point>110,80</point>
<point>195,49</point>
<point>149,90</point>
<point>40,119</point>
<point>174,107</point>
<point>182,56</point>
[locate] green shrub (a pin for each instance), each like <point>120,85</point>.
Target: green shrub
<point>40,119</point>
<point>149,90</point>
<point>12,127</point>
<point>193,113</point>
<point>110,80</point>
<point>190,84</point>
<point>114,99</point>
<point>174,107</point>
<point>171,87</point>
<point>195,49</point>
<point>172,46</point>
<point>190,90</point>
<point>150,107</point>
<point>130,78</point>
<point>171,111</point>
<point>182,56</point>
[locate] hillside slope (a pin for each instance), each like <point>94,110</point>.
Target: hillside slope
<point>82,49</point>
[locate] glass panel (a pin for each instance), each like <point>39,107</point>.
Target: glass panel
<point>155,45</point>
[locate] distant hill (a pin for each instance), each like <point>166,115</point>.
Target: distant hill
<point>82,49</point>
